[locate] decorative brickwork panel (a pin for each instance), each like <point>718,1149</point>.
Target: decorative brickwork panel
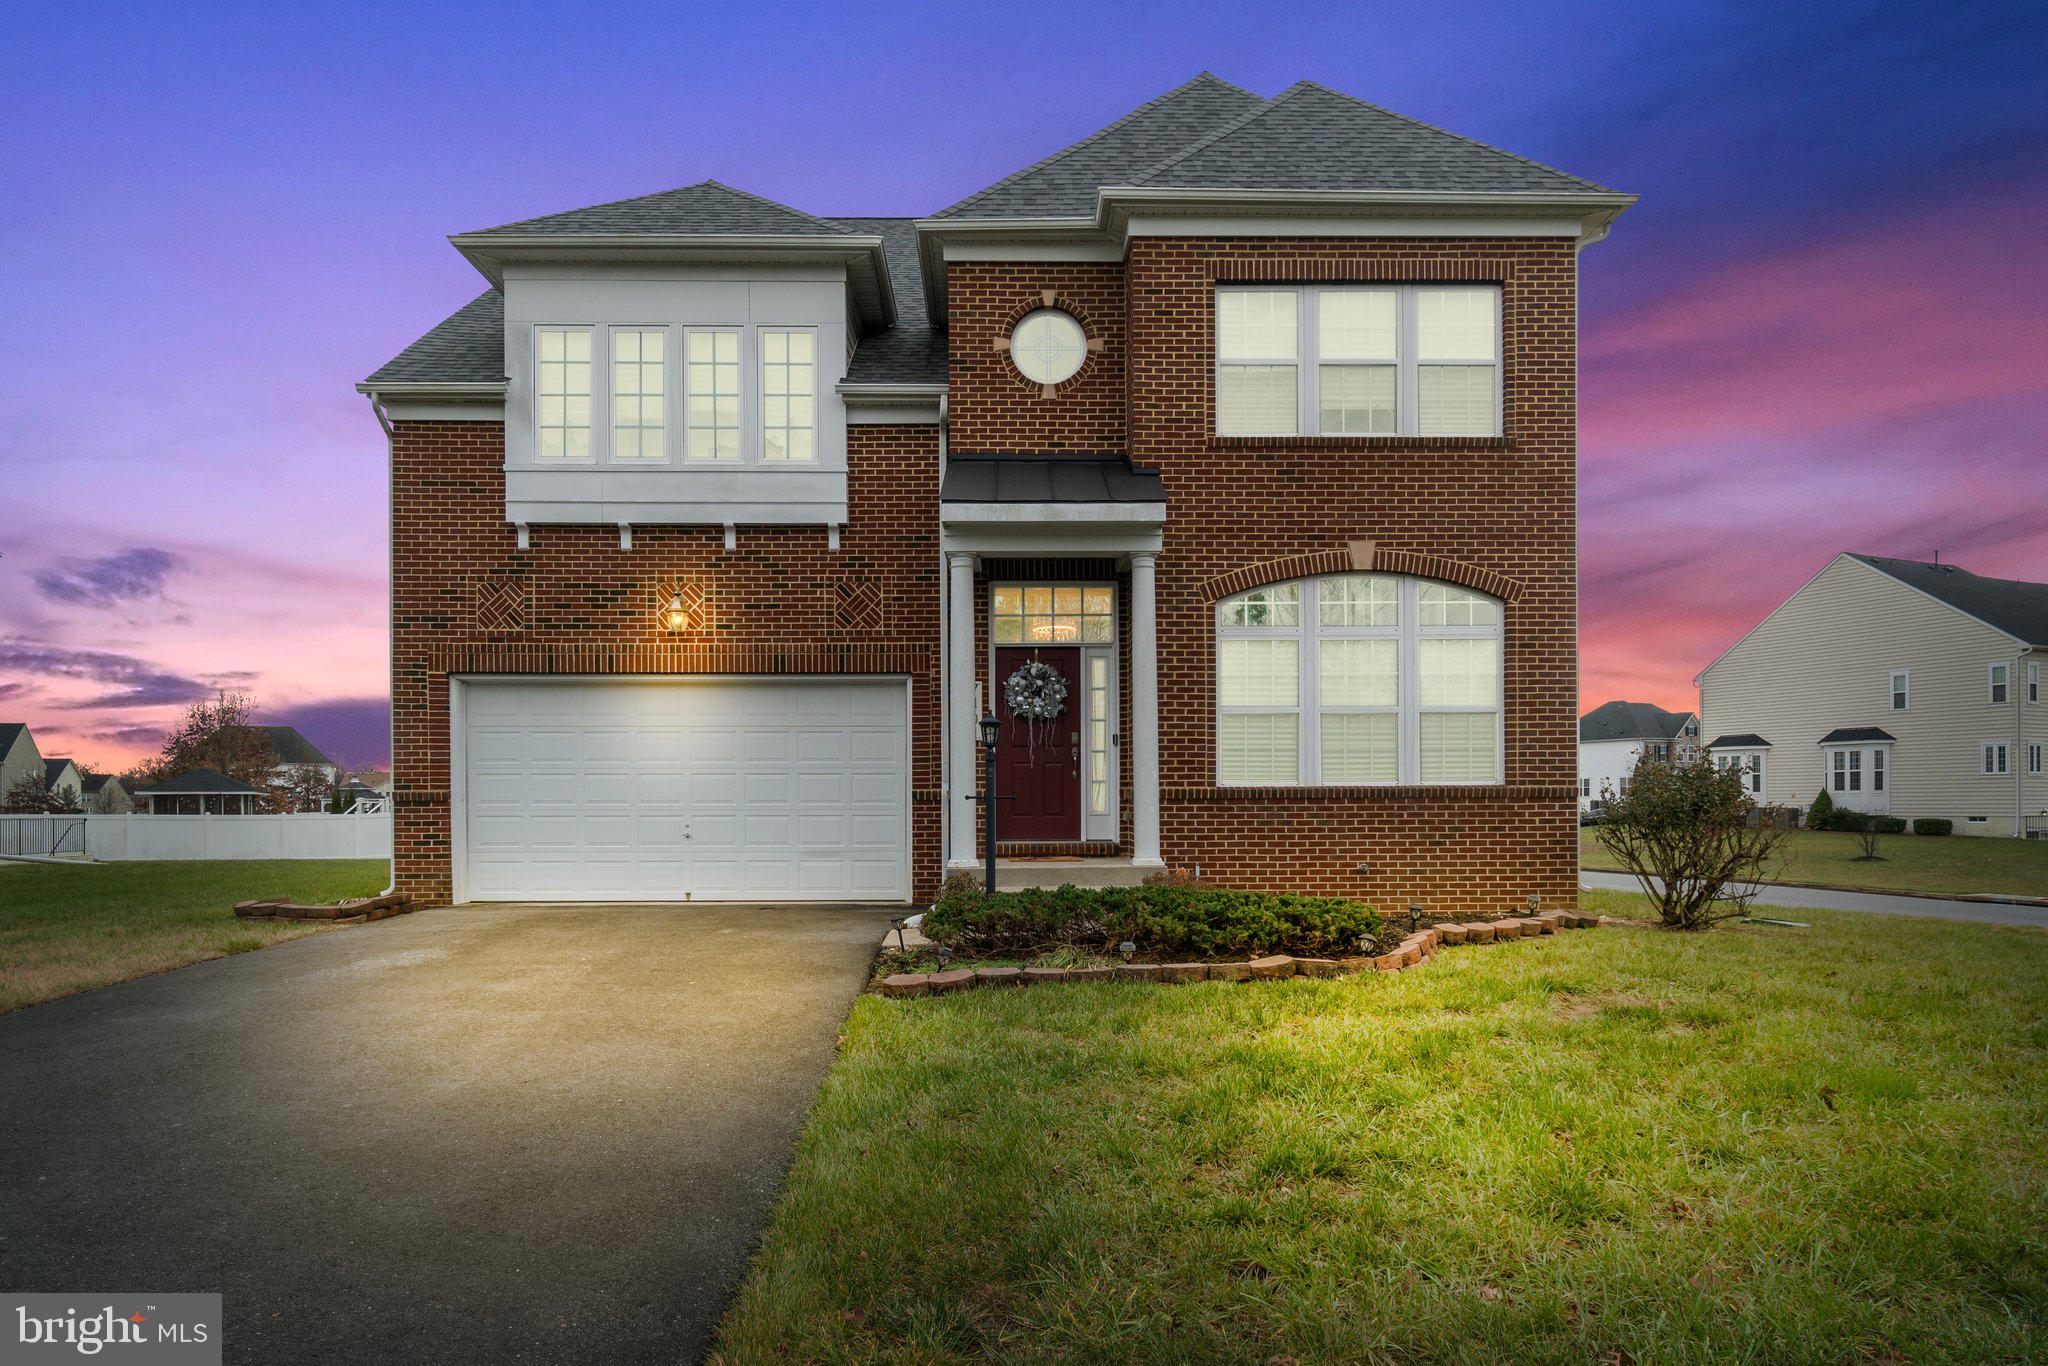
<point>681,606</point>
<point>857,603</point>
<point>591,608</point>
<point>502,604</point>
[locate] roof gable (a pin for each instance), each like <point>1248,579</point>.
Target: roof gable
<point>2015,606</point>
<point>1311,137</point>
<point>1064,184</point>
<point>707,208</point>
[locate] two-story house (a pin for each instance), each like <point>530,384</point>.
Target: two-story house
<point>1224,461</point>
<point>1900,687</point>
<point>1615,736</point>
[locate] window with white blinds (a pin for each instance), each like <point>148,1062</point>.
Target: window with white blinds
<point>1358,360</point>
<point>1358,679</point>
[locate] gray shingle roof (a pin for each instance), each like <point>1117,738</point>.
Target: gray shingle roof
<point>1014,479</point>
<point>1631,721</point>
<point>9,730</point>
<point>199,780</point>
<point>466,348</point>
<point>1850,735</point>
<point>94,782</point>
<point>53,767</point>
<point>287,746</point>
<point>2015,606</point>
<point>1063,185</point>
<point>704,208</point>
<point>911,352</point>
<point>1745,740</point>
<point>1310,137</point>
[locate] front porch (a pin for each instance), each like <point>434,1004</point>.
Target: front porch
<point>1051,567</point>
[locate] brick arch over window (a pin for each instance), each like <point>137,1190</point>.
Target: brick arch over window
<point>1090,332</point>
<point>1363,557</point>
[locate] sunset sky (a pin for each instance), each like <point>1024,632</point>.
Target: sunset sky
<point>1824,328</point>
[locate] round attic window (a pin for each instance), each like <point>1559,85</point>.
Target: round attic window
<point>1048,346</point>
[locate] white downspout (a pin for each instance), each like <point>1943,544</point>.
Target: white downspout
<point>391,664</point>
<point>2019,745</point>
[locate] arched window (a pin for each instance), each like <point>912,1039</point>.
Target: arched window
<point>1358,679</point>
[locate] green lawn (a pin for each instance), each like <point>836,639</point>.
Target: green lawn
<point>1950,866</point>
<point>67,929</point>
<point>1819,1145</point>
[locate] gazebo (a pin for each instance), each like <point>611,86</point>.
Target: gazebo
<point>201,792</point>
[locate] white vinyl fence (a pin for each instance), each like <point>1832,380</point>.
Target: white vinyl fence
<point>366,835</point>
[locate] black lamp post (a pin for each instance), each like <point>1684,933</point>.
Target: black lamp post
<point>990,730</point>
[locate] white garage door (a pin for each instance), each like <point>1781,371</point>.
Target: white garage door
<point>679,790</point>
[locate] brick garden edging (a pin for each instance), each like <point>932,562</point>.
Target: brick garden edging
<point>341,912</point>
<point>1416,949</point>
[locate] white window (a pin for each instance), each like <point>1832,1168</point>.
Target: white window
<point>789,394</point>
<point>1877,762</point>
<point>1847,772</point>
<point>1752,766</point>
<point>1902,692</point>
<point>1051,614</point>
<point>1996,759</point>
<point>2001,683</point>
<point>1358,679</point>
<point>1585,787</point>
<point>639,393</point>
<point>711,370</point>
<point>1358,360</point>
<point>562,392</point>
<point>2034,756</point>
<point>2033,682</point>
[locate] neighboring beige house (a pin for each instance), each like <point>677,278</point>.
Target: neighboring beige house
<point>105,795</point>
<point>19,757</point>
<point>65,781</point>
<point>1902,687</point>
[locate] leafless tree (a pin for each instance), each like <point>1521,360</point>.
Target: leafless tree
<point>1683,829</point>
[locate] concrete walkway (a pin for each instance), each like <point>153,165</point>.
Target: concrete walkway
<point>1880,903</point>
<point>546,1134</point>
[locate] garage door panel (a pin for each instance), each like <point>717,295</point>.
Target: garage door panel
<point>767,789</point>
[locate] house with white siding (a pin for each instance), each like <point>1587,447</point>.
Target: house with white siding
<point>1614,737</point>
<point>1901,687</point>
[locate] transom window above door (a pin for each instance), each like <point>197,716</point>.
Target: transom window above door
<point>1358,360</point>
<point>1358,679</point>
<point>1051,614</point>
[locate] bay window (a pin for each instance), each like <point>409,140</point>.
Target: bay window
<point>1358,360</point>
<point>711,365</point>
<point>1358,679</point>
<point>788,394</point>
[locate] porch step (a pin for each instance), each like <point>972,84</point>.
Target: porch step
<point>1014,875</point>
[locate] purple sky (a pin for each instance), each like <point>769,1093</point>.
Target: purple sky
<point>1823,329</point>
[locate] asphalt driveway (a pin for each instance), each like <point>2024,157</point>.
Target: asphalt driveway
<point>504,1133</point>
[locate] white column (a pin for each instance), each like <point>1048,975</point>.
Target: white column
<point>960,717</point>
<point>1144,714</point>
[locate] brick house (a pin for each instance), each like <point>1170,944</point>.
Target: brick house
<point>1236,441</point>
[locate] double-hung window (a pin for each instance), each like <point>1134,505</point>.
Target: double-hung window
<point>1358,679</point>
<point>2034,757</point>
<point>1996,758</point>
<point>711,407</point>
<point>562,393</point>
<point>1358,360</point>
<point>2001,684</point>
<point>2033,683</point>
<point>639,393</point>
<point>789,393</point>
<point>1902,692</point>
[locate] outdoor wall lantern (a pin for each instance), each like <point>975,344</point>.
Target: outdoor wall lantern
<point>674,616</point>
<point>991,730</point>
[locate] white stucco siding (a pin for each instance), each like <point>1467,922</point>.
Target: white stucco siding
<point>1824,660</point>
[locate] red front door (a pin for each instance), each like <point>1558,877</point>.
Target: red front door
<point>1038,768</point>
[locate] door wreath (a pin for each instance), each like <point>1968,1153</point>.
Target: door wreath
<point>1036,694</point>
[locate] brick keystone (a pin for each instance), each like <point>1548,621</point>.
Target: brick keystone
<point>1451,934</point>
<point>959,979</point>
<point>1230,972</point>
<point>996,977</point>
<point>905,984</point>
<point>1045,975</point>
<point>1317,967</point>
<point>1274,965</point>
<point>1137,972</point>
<point>1480,933</point>
<point>1183,972</point>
